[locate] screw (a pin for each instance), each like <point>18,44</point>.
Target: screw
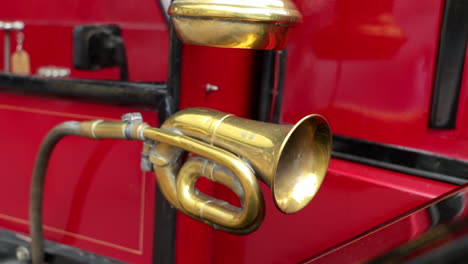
<point>211,88</point>
<point>22,253</point>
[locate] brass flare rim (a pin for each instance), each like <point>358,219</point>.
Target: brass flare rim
<point>235,12</point>
<point>321,121</point>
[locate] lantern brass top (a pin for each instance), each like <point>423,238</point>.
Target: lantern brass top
<point>275,11</point>
<point>253,24</point>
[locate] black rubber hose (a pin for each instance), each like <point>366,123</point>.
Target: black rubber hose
<point>37,185</point>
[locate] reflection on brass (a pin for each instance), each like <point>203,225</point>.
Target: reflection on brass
<point>245,24</point>
<point>291,159</point>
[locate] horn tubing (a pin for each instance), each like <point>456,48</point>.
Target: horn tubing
<point>37,185</point>
<point>231,151</point>
<point>252,214</point>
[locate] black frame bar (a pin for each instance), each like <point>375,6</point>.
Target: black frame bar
<point>164,241</point>
<point>450,65</point>
<point>141,95</point>
<point>55,252</point>
<point>401,159</point>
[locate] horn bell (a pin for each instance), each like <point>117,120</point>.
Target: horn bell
<point>302,162</point>
<point>291,159</point>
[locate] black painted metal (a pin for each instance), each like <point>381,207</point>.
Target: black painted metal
<point>143,95</point>
<point>453,252</point>
<point>56,253</point>
<point>401,159</point>
<point>450,64</point>
<point>99,46</point>
<point>175,66</point>
<point>166,217</point>
<point>271,71</point>
<point>263,83</point>
<point>121,58</point>
<point>164,241</point>
<point>282,58</point>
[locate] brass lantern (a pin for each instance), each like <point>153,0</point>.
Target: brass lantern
<point>248,24</point>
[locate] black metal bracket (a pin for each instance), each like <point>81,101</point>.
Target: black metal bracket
<point>164,240</point>
<point>401,159</point>
<point>450,65</point>
<point>270,78</point>
<point>15,247</point>
<point>141,95</point>
<point>99,46</point>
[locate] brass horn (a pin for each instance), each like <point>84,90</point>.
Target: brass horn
<point>291,159</point>
<point>249,24</point>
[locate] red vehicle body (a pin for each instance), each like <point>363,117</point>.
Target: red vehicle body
<point>367,66</point>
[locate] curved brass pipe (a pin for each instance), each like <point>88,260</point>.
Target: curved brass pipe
<point>166,157</point>
<point>291,159</point>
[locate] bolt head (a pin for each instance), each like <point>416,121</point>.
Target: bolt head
<point>22,253</point>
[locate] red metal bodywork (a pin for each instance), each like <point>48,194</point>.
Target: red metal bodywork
<point>373,87</point>
<point>377,92</point>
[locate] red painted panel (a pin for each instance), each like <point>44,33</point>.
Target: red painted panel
<point>396,234</point>
<point>146,51</point>
<point>84,11</point>
<point>376,87</point>
<point>368,66</point>
<point>379,242</point>
<point>232,71</point>
<point>49,34</point>
<point>229,69</point>
<point>353,199</point>
<point>96,196</point>
<point>91,183</point>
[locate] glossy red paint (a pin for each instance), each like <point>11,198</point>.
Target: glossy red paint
<point>48,34</point>
<point>374,87</point>
<point>368,84</point>
<point>377,243</point>
<point>229,69</point>
<point>96,197</point>
<point>410,226</point>
<point>232,71</point>
<point>352,200</point>
<point>368,66</point>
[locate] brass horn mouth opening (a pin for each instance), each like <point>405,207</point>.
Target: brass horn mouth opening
<point>300,170</point>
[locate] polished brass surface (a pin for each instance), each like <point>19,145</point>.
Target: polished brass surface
<point>99,129</point>
<point>291,159</point>
<point>166,158</point>
<point>249,24</point>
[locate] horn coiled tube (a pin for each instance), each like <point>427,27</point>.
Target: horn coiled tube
<point>291,159</point>
<point>177,183</point>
